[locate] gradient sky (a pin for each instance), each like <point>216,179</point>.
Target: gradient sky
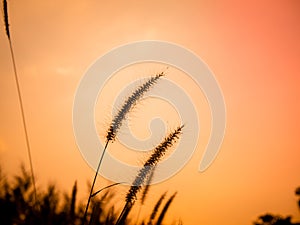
<point>253,49</point>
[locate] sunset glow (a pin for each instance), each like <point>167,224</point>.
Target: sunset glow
<point>252,48</point>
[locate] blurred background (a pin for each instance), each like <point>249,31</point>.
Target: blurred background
<point>253,49</point>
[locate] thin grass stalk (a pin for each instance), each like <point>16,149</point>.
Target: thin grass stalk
<point>116,124</point>
<point>93,184</point>
<point>155,209</point>
<point>5,11</point>
<point>165,209</point>
<point>143,174</point>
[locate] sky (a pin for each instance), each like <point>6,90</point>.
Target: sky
<point>253,49</point>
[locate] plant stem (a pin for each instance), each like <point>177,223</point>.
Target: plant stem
<point>93,184</point>
<point>23,119</point>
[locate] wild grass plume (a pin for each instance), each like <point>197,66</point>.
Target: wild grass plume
<point>5,12</point>
<point>116,124</point>
<point>152,161</point>
<point>129,103</point>
<point>145,171</point>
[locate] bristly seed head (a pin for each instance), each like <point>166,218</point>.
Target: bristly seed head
<point>5,12</point>
<point>129,103</point>
<point>152,161</point>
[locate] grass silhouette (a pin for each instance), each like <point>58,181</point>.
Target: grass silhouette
<point>21,203</point>
<point>116,124</point>
<point>55,206</point>
<point>5,12</point>
<point>145,172</point>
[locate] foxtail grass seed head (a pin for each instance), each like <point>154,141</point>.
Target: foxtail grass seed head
<point>5,12</point>
<point>152,161</point>
<point>129,103</point>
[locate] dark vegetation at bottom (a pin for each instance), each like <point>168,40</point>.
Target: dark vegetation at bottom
<point>55,208</point>
<point>17,206</point>
<point>271,219</point>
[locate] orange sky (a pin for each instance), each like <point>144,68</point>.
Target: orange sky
<point>251,46</point>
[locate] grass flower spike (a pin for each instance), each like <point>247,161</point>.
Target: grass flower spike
<point>129,103</point>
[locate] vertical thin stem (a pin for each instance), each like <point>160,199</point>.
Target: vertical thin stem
<point>5,11</point>
<point>23,120</point>
<point>94,181</point>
